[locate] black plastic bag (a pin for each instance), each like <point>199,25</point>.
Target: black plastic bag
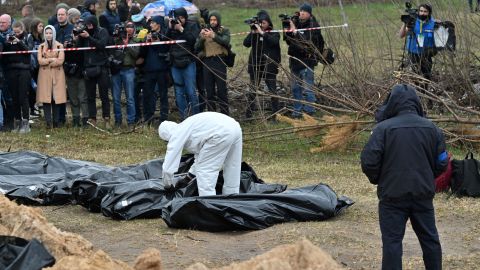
<point>466,177</point>
<point>19,254</point>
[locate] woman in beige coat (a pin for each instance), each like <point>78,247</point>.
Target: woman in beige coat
<point>51,77</point>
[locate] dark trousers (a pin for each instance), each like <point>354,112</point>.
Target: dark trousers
<point>215,74</point>
<point>393,217</point>
<point>19,83</point>
<point>139,87</point>
<point>51,112</point>
<point>150,97</point>
<point>103,81</point>
<point>202,96</point>
<point>270,80</point>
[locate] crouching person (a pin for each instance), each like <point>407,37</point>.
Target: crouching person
<point>216,141</point>
<point>51,89</point>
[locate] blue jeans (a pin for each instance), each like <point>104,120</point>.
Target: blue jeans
<point>302,90</point>
<point>1,109</point>
<point>185,95</point>
<point>125,78</point>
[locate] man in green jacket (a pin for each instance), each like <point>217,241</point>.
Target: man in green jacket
<point>213,43</point>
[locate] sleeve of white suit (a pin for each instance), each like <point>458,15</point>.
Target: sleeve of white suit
<point>174,155</point>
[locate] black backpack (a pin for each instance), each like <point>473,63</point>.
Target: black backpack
<point>466,177</point>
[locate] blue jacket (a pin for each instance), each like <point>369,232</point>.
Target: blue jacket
<point>421,31</point>
<point>108,20</point>
<point>406,151</point>
<point>64,32</point>
<point>155,56</point>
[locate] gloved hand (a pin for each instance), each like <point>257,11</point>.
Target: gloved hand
<point>185,181</point>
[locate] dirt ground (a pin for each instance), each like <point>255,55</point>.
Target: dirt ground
<point>352,244</point>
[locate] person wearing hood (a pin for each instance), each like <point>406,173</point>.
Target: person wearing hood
<point>51,89</point>
<point>263,60</point>
<point>95,67</point>
<point>17,68</point>
<point>420,43</point>
<point>213,43</point>
<point>305,49</point>
<point>215,140</point>
<point>403,155</point>
<point>183,61</point>
<point>110,17</point>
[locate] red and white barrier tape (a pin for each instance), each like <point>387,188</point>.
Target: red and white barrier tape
<point>106,47</point>
<point>296,30</point>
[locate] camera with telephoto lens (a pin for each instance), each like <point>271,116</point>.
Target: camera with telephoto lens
<point>68,43</point>
<point>156,35</point>
<point>287,18</point>
<point>120,30</point>
<point>411,16</point>
<point>252,21</point>
<point>173,20</point>
<point>79,28</point>
<point>10,37</point>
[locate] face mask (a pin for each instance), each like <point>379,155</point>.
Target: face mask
<point>422,17</point>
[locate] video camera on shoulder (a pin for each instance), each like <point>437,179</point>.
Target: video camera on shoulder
<point>287,18</point>
<point>120,30</point>
<point>79,28</point>
<point>411,16</point>
<point>252,21</point>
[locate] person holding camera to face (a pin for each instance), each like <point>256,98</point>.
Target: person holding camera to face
<point>124,73</point>
<point>420,44</point>
<point>96,70</point>
<point>182,59</point>
<point>18,77</point>
<point>263,60</point>
<point>304,48</point>
<point>155,70</point>
<point>213,41</point>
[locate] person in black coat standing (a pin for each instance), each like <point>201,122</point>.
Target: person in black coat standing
<point>403,156</point>
<point>263,60</point>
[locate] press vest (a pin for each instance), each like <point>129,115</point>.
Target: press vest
<point>423,36</point>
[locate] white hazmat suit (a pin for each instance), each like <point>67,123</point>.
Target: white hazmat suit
<point>216,141</point>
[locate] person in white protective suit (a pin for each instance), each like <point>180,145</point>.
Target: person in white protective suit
<point>215,140</point>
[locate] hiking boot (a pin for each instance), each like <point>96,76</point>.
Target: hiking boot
<point>76,121</point>
<point>25,127</point>
<point>84,122</point>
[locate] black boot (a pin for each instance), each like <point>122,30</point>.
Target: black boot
<point>84,122</point>
<point>76,121</point>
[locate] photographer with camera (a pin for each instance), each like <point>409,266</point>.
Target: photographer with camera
<point>263,60</point>
<point>305,49</point>
<point>17,68</point>
<point>5,30</point>
<point>73,67</point>
<point>182,59</point>
<point>95,67</point>
<point>155,70</point>
<point>213,41</point>
<point>418,28</point>
<point>125,75</point>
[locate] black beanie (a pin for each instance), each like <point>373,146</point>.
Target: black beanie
<point>181,12</point>
<point>306,7</point>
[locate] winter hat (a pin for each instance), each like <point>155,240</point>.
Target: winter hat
<point>263,15</point>
<point>92,19</point>
<point>306,7</point>
<point>158,19</point>
<point>181,12</point>
<point>166,129</point>
<point>87,3</point>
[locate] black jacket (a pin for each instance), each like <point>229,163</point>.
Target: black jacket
<point>98,39</point>
<point>263,48</point>
<point>305,45</point>
<point>405,151</point>
<point>183,52</point>
<point>17,61</point>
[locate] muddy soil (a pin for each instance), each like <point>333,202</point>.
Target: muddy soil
<point>353,239</point>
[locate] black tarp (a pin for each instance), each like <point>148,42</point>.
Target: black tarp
<point>137,191</point>
<point>19,254</point>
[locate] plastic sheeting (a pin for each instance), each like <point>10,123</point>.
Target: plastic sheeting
<point>19,254</point>
<point>137,191</point>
